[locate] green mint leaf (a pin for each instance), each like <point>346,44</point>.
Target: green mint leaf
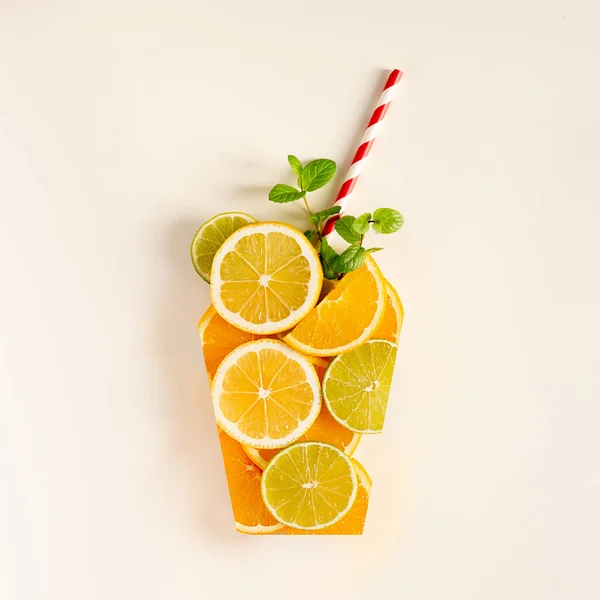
<point>328,259</point>
<point>282,193</point>
<point>310,234</point>
<point>344,227</point>
<point>371,250</point>
<point>316,174</point>
<point>361,225</point>
<point>387,220</point>
<point>320,216</point>
<point>295,164</point>
<point>350,259</point>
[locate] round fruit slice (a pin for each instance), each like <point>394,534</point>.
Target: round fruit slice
<point>266,277</point>
<point>346,317</point>
<point>219,338</point>
<point>265,394</point>
<point>243,477</point>
<point>354,521</point>
<point>310,485</point>
<point>211,235</point>
<point>391,324</point>
<point>325,429</point>
<point>356,386</point>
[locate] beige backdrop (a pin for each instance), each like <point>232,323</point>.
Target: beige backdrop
<point>124,124</point>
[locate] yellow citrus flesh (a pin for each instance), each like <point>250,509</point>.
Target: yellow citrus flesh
<point>354,521</point>
<point>309,485</point>
<point>391,324</point>
<point>265,394</point>
<point>356,386</point>
<point>218,339</point>
<point>346,317</point>
<point>265,278</point>
<point>243,478</point>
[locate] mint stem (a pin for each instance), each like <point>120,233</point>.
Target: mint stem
<point>307,206</point>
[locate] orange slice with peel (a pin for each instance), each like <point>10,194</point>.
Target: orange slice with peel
<point>265,394</point>
<point>243,478</point>
<point>218,339</point>
<point>346,317</point>
<point>325,429</point>
<point>391,324</point>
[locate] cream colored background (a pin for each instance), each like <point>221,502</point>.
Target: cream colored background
<point>125,124</point>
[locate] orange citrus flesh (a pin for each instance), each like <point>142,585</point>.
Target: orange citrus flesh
<point>354,521</point>
<point>325,429</point>
<point>346,317</point>
<point>391,324</point>
<point>243,477</point>
<point>218,339</point>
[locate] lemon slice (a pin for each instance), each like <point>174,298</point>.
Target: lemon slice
<point>357,384</point>
<point>265,394</point>
<point>265,278</point>
<point>211,235</point>
<point>309,485</point>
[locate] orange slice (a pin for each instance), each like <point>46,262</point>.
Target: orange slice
<point>346,317</point>
<point>391,324</point>
<point>219,338</point>
<point>243,478</point>
<point>265,278</point>
<point>354,521</point>
<point>265,394</point>
<point>325,429</point>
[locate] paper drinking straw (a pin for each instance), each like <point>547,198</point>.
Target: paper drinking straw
<point>345,193</point>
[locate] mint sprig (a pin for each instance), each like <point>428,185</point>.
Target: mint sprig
<point>314,176</point>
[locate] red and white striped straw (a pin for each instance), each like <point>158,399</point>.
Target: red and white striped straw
<point>343,197</point>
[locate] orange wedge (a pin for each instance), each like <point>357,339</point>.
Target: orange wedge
<point>346,317</point>
<point>391,324</point>
<point>265,394</point>
<point>219,338</point>
<point>354,521</point>
<point>243,477</point>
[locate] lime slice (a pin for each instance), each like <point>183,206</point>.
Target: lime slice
<point>356,385</point>
<point>310,485</point>
<point>211,235</point>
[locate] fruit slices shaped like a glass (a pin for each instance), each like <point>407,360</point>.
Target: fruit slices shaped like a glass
<point>295,381</point>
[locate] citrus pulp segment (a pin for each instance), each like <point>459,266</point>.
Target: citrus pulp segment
<point>243,478</point>
<point>357,384</point>
<point>309,485</point>
<point>211,235</point>
<point>218,339</point>
<point>393,316</point>
<point>325,429</point>
<point>354,521</point>
<point>346,317</point>
<point>265,278</point>
<point>265,394</point>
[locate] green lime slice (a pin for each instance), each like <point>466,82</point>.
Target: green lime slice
<point>211,235</point>
<point>309,485</point>
<point>357,384</point>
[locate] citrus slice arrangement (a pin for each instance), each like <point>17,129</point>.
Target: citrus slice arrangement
<point>300,343</point>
